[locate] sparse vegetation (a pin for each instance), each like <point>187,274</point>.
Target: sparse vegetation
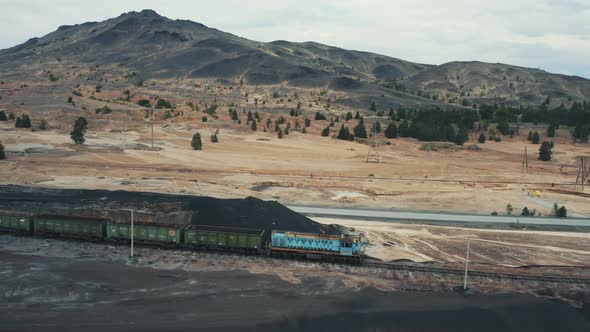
<point>560,212</point>
<point>163,103</point>
<point>2,153</point>
<point>104,110</point>
<point>42,125</point>
<point>509,209</point>
<point>551,131</point>
<point>326,132</point>
<point>373,107</point>
<point>482,138</point>
<point>344,134</point>
<point>3,116</point>
<point>23,122</point>
<point>144,103</point>
<point>320,117</point>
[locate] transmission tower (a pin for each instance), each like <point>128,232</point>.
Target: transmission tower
<point>373,154</point>
<point>583,177</point>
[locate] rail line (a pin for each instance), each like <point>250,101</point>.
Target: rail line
<point>476,273</point>
<point>404,267</point>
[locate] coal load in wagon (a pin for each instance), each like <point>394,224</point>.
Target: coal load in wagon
<point>252,213</point>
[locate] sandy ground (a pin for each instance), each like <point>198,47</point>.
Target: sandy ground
<point>514,248</point>
<point>302,169</point>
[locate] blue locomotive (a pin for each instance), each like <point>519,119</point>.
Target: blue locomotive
<point>345,247</point>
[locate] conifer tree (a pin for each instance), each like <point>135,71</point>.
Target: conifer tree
<point>77,133</point>
<point>546,151</point>
<point>360,131</point>
<point>196,143</point>
<point>536,138</point>
<point>391,130</point>
<point>482,138</point>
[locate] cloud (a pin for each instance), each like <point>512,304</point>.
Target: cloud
<point>551,34</point>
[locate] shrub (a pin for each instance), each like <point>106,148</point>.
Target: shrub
<point>320,117</point>
<point>163,103</point>
<point>144,103</point>
<point>43,125</point>
<point>482,138</point>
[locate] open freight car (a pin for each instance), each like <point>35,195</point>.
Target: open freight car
<point>159,234</point>
<point>345,247</point>
<point>222,238</point>
<point>16,223</point>
<point>70,226</point>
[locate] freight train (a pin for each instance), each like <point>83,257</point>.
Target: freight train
<point>288,244</point>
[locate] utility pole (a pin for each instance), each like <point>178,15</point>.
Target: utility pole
<point>525,160</point>
<point>467,263</point>
<point>152,128</point>
<point>125,133</point>
<point>583,177</point>
<point>131,235</point>
<point>132,212</point>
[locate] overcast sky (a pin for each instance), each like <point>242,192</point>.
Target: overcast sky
<point>549,34</point>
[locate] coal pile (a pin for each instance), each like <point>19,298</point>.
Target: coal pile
<point>252,213</point>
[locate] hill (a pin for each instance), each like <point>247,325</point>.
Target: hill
<point>146,46</point>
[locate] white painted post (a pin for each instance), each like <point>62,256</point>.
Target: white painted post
<point>132,232</point>
<point>466,264</point>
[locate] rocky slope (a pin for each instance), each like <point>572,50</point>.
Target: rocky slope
<point>144,45</point>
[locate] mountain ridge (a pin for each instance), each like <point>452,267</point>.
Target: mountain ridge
<point>156,47</point>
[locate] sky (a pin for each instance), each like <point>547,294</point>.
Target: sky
<point>553,35</point>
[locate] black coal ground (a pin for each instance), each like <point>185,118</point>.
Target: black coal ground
<point>56,294</point>
<point>250,213</point>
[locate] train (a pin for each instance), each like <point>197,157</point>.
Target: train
<point>347,247</point>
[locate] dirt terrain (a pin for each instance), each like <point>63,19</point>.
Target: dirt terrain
<point>302,168</point>
<point>510,248</point>
<point>96,287</point>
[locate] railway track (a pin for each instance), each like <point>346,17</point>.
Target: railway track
<point>475,273</point>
